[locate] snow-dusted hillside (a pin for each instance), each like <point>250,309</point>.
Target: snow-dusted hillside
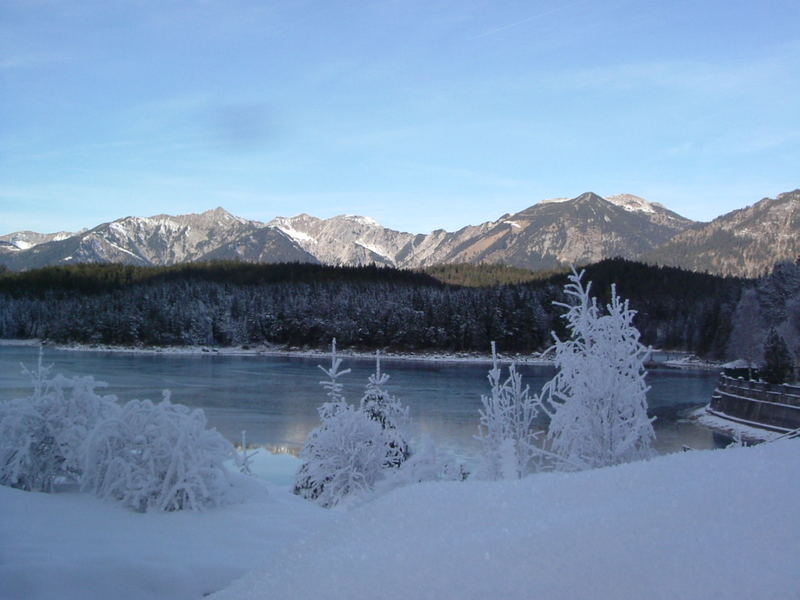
<point>698,525</point>
<point>582,229</point>
<point>551,233</point>
<point>745,242</point>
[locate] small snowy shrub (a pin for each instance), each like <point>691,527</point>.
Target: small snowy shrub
<point>427,463</point>
<point>158,457</point>
<point>353,447</point>
<point>598,398</point>
<point>41,436</point>
<point>506,429</point>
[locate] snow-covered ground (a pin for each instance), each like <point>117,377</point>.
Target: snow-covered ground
<point>72,546</point>
<point>696,525</point>
<point>748,433</point>
<point>690,361</point>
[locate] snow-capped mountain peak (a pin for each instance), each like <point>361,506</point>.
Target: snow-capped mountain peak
<point>549,234</point>
<point>368,221</point>
<point>554,200</point>
<point>633,203</point>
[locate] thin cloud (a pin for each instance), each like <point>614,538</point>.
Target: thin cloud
<point>539,15</point>
<point>30,61</point>
<point>780,65</point>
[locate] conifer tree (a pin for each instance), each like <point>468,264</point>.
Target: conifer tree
<point>354,445</point>
<point>778,364</point>
<point>382,407</point>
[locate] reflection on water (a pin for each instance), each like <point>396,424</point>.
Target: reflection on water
<point>275,399</point>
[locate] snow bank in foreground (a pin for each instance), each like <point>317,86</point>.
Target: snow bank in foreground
<point>72,546</point>
<point>719,524</point>
<point>716,524</point>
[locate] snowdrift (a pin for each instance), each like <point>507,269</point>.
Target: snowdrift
<point>719,524</point>
<point>715,524</point>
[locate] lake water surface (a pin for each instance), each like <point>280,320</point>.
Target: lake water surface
<point>275,398</point>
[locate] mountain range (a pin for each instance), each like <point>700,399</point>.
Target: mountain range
<point>547,235</point>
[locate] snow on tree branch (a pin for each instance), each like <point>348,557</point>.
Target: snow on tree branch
<point>41,436</point>
<point>598,398</point>
<point>158,457</point>
<point>353,446</point>
<point>511,448</point>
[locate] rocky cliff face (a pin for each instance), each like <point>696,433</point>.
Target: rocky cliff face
<point>344,239</point>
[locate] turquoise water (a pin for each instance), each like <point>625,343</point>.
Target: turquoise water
<point>275,398</point>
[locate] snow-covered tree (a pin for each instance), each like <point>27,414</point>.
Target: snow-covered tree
<point>790,330</point>
<point>41,436</point>
<point>385,409</point>
<point>157,457</point>
<point>598,397</point>
<point>353,447</point>
<point>344,456</point>
<point>506,430</point>
<point>748,327</point>
<point>778,364</point>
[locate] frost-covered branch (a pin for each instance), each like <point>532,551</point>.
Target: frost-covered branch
<point>598,399</point>
<point>511,445</point>
<point>353,446</point>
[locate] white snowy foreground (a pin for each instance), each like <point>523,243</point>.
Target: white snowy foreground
<point>714,524</point>
<point>73,546</point>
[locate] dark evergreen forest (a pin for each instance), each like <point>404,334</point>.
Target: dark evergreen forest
<point>305,305</point>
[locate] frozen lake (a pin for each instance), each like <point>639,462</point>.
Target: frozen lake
<point>275,398</point>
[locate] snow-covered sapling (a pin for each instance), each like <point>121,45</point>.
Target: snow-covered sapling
<point>353,446</point>
<point>244,459</point>
<point>385,409</point>
<point>598,398</point>
<point>507,426</point>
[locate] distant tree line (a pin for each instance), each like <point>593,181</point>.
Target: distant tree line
<point>487,275</point>
<point>363,307</point>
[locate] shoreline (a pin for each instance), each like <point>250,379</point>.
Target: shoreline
<point>750,434</point>
<point>266,350</point>
<point>689,363</point>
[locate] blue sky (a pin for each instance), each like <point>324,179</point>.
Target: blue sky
<point>421,114</point>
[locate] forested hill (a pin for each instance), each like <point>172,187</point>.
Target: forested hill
<point>364,307</point>
<point>486,275</point>
<point>93,278</point>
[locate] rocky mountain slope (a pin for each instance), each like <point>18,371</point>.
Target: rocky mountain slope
<point>745,242</point>
<point>551,233</point>
<point>157,240</point>
<point>12,243</point>
<point>584,229</point>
